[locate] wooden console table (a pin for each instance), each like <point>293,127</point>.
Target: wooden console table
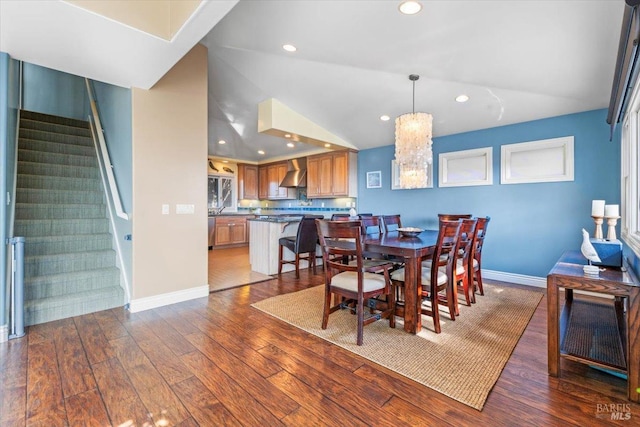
<point>588,342</point>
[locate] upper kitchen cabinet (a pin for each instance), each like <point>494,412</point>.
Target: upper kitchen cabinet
<point>247,182</point>
<point>332,175</point>
<point>269,179</point>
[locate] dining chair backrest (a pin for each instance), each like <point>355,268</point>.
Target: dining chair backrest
<point>453,217</point>
<point>483,223</point>
<point>391,222</point>
<point>467,237</point>
<point>340,240</point>
<point>340,217</point>
<point>370,224</point>
<point>447,246</point>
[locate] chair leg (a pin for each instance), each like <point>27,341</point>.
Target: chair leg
<point>297,266</point>
<point>452,296</point>
<point>360,314</point>
<point>280,260</point>
<point>465,289</point>
<point>391,300</point>
<point>479,280</point>
<point>435,312</point>
<point>327,307</point>
<point>312,260</point>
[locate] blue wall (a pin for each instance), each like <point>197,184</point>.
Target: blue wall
<point>54,92</point>
<point>531,224</point>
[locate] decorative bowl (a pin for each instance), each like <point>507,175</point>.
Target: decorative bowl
<point>410,231</point>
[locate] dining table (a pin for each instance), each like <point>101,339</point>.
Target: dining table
<point>412,249</point>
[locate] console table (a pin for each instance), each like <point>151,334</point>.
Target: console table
<point>605,334</point>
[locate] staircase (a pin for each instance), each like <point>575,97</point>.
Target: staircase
<point>70,265</point>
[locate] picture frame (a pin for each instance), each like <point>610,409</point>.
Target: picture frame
<point>466,168</point>
<point>374,179</point>
<point>395,176</point>
<point>547,160</point>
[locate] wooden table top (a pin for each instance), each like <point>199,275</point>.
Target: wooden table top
<point>571,262</point>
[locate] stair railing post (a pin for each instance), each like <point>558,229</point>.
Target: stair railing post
<point>17,287</point>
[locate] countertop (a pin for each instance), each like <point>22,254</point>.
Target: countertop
<point>231,214</point>
<point>277,219</point>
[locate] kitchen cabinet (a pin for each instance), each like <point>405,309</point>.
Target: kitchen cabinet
<point>247,182</point>
<point>269,179</point>
<point>332,175</point>
<point>230,230</point>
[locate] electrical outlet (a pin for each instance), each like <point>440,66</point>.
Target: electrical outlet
<point>185,209</point>
<point>165,209</point>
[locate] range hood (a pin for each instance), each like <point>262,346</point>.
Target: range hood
<point>296,173</point>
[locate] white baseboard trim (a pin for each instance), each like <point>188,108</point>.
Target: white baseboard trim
<point>4,333</point>
<point>156,301</point>
<point>520,279</point>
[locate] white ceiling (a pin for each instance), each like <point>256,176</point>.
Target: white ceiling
<point>517,60</point>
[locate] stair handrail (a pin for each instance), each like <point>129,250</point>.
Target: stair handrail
<point>113,187</point>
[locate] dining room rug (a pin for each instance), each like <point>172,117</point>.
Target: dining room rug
<point>480,340</point>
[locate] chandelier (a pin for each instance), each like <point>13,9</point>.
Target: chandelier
<point>413,145</point>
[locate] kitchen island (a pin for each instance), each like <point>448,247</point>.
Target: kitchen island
<point>264,234</point>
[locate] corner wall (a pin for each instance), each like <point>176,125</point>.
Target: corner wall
<point>169,130</point>
<point>531,224</point>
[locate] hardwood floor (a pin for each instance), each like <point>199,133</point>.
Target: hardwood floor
<point>230,267</point>
<point>217,361</point>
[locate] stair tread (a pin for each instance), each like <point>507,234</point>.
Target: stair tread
<point>73,275</point>
<point>88,253</point>
<point>49,118</point>
<point>22,140</point>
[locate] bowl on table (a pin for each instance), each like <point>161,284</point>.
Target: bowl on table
<point>410,231</point>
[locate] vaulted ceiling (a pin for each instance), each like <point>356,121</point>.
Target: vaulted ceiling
<point>516,60</point>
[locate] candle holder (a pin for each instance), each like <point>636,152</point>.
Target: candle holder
<point>612,221</point>
<point>599,220</point>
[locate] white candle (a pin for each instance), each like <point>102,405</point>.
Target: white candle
<point>597,208</point>
<point>611,211</point>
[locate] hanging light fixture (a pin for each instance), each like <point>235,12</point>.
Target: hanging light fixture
<point>413,145</point>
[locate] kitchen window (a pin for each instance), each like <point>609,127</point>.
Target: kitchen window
<point>221,193</point>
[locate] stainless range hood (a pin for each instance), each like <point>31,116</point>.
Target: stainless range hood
<point>296,173</point>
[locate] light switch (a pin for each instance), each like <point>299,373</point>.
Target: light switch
<point>165,209</point>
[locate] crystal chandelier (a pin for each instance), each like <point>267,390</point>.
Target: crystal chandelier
<point>413,145</point>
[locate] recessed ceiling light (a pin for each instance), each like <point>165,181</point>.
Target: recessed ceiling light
<point>222,141</point>
<point>462,98</point>
<point>289,47</point>
<point>410,7</point>
<point>287,135</point>
<point>327,145</point>
<point>290,145</point>
<point>384,118</point>
<point>225,161</point>
<point>260,151</point>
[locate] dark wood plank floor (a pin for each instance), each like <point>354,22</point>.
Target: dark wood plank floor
<point>217,361</point>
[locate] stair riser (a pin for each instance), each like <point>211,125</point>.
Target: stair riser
<point>45,310</point>
<point>54,127</point>
<point>30,168</point>
<point>56,147</point>
<point>56,159</point>
<point>55,137</point>
<point>30,211</point>
<point>39,182</point>
<point>67,263</point>
<point>61,227</point>
<point>48,289</point>
<point>59,196</point>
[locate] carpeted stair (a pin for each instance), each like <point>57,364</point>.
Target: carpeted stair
<point>70,265</point>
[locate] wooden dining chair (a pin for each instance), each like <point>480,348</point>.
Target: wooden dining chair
<point>351,284</point>
<point>438,280</point>
<point>391,222</point>
<point>475,269</point>
<point>304,242</point>
<point>467,240</point>
<point>340,217</point>
<point>453,217</point>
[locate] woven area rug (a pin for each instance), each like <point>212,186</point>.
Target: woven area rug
<point>481,339</point>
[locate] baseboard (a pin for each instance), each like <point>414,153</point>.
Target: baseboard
<point>4,333</point>
<point>520,279</point>
<point>155,301</point>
